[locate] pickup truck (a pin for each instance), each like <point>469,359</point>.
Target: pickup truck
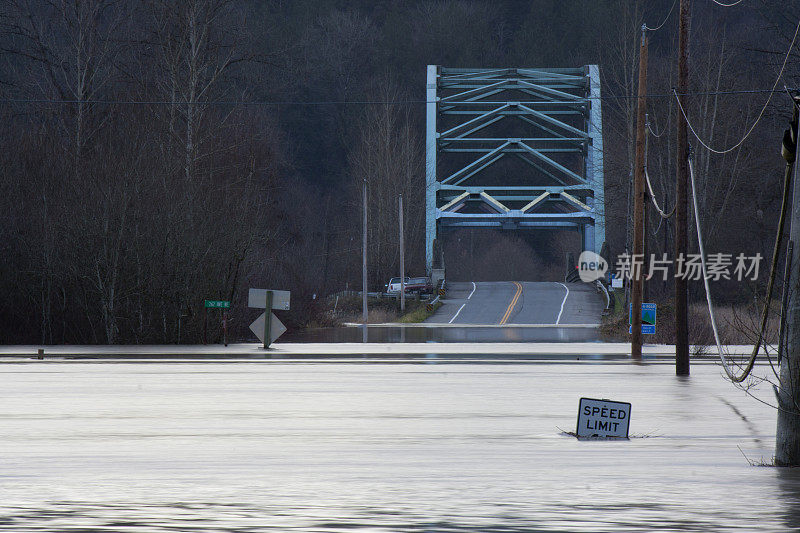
<point>394,285</point>
<point>421,285</point>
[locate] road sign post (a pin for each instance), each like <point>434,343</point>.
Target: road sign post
<point>271,328</point>
<point>225,319</point>
<point>268,320</point>
<point>215,304</point>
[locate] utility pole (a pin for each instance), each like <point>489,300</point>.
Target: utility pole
<point>787,436</point>
<point>681,181</point>
<point>637,259</point>
<point>364,266</point>
<point>402,261</point>
<point>647,199</point>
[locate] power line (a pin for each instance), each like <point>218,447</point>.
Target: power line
<point>654,133</point>
<point>665,18</point>
<point>760,115</point>
<point>346,102</point>
<point>661,211</point>
<point>773,269</point>
<point>727,5</point>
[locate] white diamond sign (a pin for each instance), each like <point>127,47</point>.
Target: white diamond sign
<point>276,327</point>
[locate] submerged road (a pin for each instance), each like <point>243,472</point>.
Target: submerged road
<point>516,303</point>
<point>270,446</point>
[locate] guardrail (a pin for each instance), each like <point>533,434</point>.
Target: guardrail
<point>382,295</point>
<point>605,291</point>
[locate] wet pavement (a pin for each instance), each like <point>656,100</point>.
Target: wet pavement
<point>418,333</point>
<point>511,302</point>
<point>277,446</point>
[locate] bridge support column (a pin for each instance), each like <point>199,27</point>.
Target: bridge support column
<point>588,238</point>
<point>431,185</point>
<point>594,159</point>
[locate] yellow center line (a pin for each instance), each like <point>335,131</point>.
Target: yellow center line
<point>512,304</point>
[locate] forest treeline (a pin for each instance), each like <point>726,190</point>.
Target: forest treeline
<point>156,153</point>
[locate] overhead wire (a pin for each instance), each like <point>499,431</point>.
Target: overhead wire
<point>770,284</point>
<point>760,115</point>
<point>727,5</point>
<point>665,18</point>
<point>108,101</point>
<point>654,134</point>
<point>661,212</point>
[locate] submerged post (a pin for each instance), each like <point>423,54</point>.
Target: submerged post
<point>364,266</point>
<point>638,205</point>
<point>681,197</point>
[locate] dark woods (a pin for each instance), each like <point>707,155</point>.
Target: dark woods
<point>157,153</point>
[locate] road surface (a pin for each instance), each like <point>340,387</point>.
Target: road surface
<point>515,303</point>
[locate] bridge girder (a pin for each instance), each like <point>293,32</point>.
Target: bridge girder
<point>550,119</point>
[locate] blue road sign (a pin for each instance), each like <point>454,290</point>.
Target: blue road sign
<point>648,319</point>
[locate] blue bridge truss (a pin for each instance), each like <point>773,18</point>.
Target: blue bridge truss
<point>514,148</point>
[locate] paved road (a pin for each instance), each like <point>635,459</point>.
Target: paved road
<point>514,303</point>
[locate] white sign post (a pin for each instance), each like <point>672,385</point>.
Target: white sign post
<point>603,418</point>
<point>267,327</point>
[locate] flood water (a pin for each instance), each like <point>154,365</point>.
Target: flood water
<point>290,446</point>
<point>446,334</point>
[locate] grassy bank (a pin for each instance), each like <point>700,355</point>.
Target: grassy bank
<point>736,324</point>
<point>338,311</point>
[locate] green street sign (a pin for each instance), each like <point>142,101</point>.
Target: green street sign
<point>223,304</point>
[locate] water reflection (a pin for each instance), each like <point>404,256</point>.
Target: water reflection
<point>258,447</point>
<point>445,334</point>
<point>789,485</point>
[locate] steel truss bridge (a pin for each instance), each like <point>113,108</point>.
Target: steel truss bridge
<point>514,148</point>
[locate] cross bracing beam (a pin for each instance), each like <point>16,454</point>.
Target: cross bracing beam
<point>510,113</point>
<point>557,146</point>
<point>567,202</point>
<point>578,190</point>
<point>511,150</point>
<point>475,120</point>
<point>491,161</point>
<point>536,201</point>
<point>555,93</point>
<point>477,162</point>
<point>539,155</point>
<point>581,141</point>
<point>479,89</point>
<point>554,121</point>
<point>523,139</point>
<point>540,168</point>
<point>463,136</point>
<point>498,206</point>
<point>520,225</point>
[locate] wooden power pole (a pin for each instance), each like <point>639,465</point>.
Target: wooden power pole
<point>402,260</point>
<point>637,259</point>
<point>681,182</point>
<point>364,311</point>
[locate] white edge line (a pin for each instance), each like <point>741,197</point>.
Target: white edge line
<point>473,291</point>
<point>455,315</point>
<point>562,302</point>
